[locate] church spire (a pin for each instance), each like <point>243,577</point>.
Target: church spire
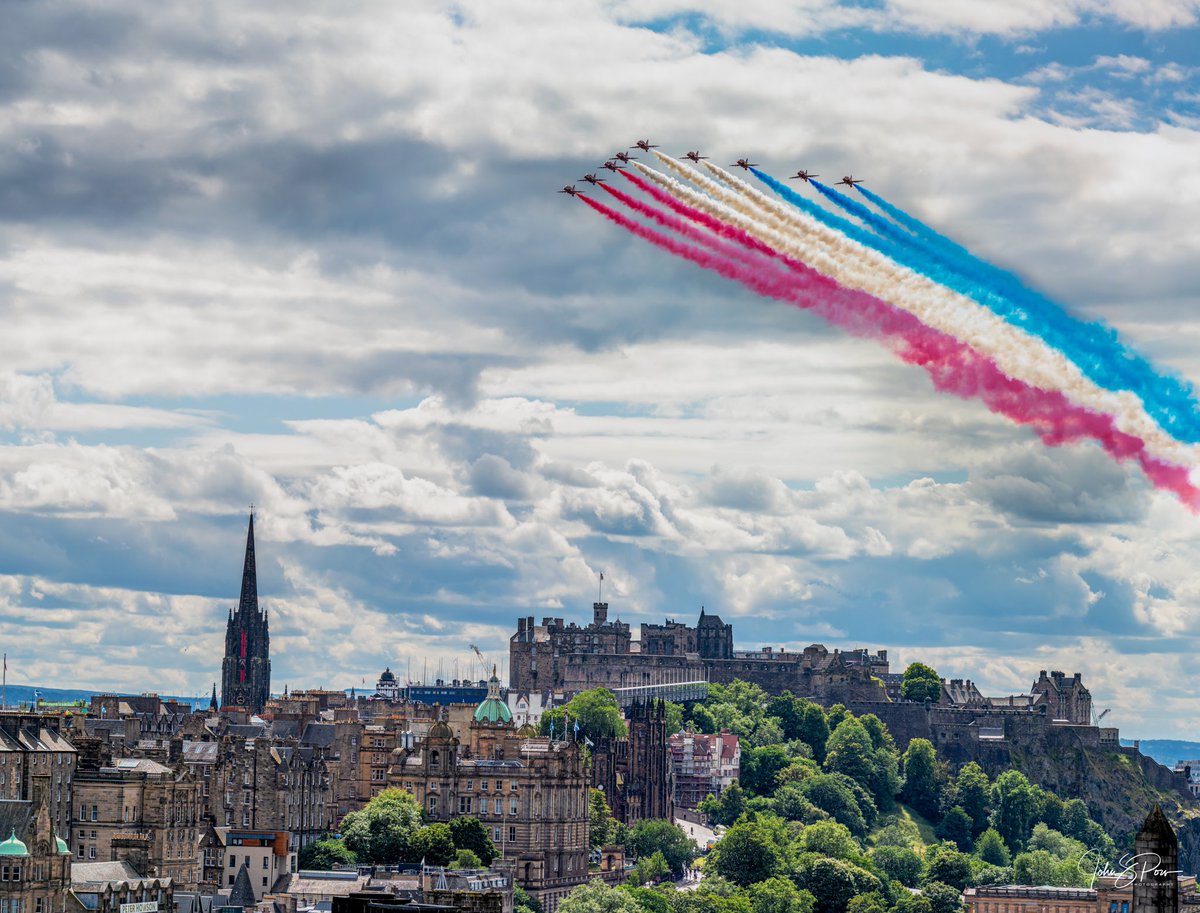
<point>249,598</point>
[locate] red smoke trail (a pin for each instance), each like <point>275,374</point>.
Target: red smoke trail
<point>953,366</point>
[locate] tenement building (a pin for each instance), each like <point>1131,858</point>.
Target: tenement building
<point>703,765</point>
<point>37,762</point>
<point>246,671</point>
<point>530,793</point>
<point>139,811</point>
<point>560,659</point>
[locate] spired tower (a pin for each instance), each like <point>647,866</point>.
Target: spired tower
<point>246,671</point>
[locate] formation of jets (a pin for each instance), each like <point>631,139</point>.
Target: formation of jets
<point>624,158</point>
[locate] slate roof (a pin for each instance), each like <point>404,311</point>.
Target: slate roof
<point>16,815</point>
<point>318,735</point>
<point>242,894</point>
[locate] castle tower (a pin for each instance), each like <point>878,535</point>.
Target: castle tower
<point>246,671</point>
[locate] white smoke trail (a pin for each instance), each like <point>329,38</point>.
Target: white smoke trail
<point>1018,354</point>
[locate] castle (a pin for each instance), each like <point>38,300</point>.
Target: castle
<point>558,660</point>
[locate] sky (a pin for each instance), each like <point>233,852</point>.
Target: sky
<point>309,257</point>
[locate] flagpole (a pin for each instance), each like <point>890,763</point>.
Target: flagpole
<point>4,687</point>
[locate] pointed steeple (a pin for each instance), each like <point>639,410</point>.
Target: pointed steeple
<point>213,705</point>
<point>249,597</point>
<point>242,894</point>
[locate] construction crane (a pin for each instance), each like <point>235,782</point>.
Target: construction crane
<point>482,660</point>
<point>1096,718</point>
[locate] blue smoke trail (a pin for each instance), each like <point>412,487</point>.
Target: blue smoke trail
<point>913,224</point>
<point>1093,347</point>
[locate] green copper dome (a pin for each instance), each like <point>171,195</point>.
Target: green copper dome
<point>493,709</point>
<point>63,849</point>
<point>13,847</point>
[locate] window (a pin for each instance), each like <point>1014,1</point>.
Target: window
<point>246,818</point>
<point>79,849</point>
<point>37,905</point>
<point>483,785</point>
<point>91,852</point>
<point>499,786</point>
<point>232,860</point>
<point>513,786</point>
<point>83,813</point>
<point>264,862</point>
<point>512,835</point>
<point>433,805</point>
<point>231,879</point>
<point>264,881</point>
<point>464,805</point>
<point>496,834</point>
<point>497,807</point>
<point>95,813</point>
<point>3,873</point>
<point>470,785</point>
<point>512,806</point>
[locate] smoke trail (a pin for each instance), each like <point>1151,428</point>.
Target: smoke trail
<point>1093,346</point>
<point>913,224</point>
<point>953,366</point>
<point>854,265</point>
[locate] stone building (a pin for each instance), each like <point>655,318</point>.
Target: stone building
<point>703,765</point>
<point>37,762</point>
<point>557,660</point>
<point>1067,698</point>
<point>530,793</point>
<point>137,810</point>
<point>262,783</point>
<point>246,669</point>
<point>35,863</point>
<point>116,887</point>
<point>635,772</point>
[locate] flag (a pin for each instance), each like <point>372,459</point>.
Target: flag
<point>552,729</point>
<point>577,728</point>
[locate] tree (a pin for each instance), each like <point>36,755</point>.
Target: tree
<point>1014,805</point>
<point>651,836</point>
<point>950,867</point>
<point>650,868</point>
<point>899,863</point>
<point>702,720</point>
<point>747,854</point>
<point>943,898</point>
<point>1074,819</point>
<point>849,751</point>
<point>880,737</point>
<point>1034,868</point>
<point>523,902</point>
<point>867,903</point>
<point>728,808</point>
<point>956,827</point>
<point>792,805</point>
<point>911,903</point>
<point>381,831</point>
<point>973,791</point>
<point>596,711</point>
<point>470,834</point>
<point>814,729</point>
<point>991,849</point>
<point>597,897</point>
<point>760,767</point>
<point>323,855</point>
<point>674,715</point>
<point>835,798</point>
<point>836,715</point>
<point>649,899</point>
<point>833,881</point>
<point>465,859</point>
<point>829,838</point>
<point>434,843</point>
<point>786,708</point>
<point>921,683</point>
<point>600,820</point>
<point>779,895</point>
<point>922,790</point>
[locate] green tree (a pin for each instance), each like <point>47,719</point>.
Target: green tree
<point>465,859</point>
<point>836,716</point>
<point>834,797</point>
<point>1014,805</point>
<point>674,715</point>
<point>849,751</point>
<point>814,729</point>
<point>990,847</point>
<point>921,683</point>
<point>949,866</point>
<point>470,834</point>
<point>792,805</point>
<point>726,809</point>
<point>922,789</point>
<point>779,895</point>
<point>600,820</point>
<point>899,863</point>
<point>715,895</point>
<point>911,903</point>
<point>880,737</point>
<point>747,854</point>
<point>829,838</point>
<point>597,897</point>
<point>598,715</point>
<point>323,855</point>
<point>651,836</point>
<point>1074,819</point>
<point>973,791</point>
<point>956,827</point>
<point>524,902</point>
<point>786,708</point>
<point>943,898</point>
<point>833,881</point>
<point>380,832</point>
<point>434,843</point>
<point>650,900</point>
<point>650,868</point>
<point>1034,868</point>
<point>867,903</point>
<point>702,720</point>
<point>760,768</point>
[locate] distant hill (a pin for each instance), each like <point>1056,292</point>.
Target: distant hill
<point>1168,752</point>
<point>23,695</point>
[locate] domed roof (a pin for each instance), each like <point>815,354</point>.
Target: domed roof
<point>528,731</point>
<point>493,709</point>
<point>440,730</point>
<point>63,849</point>
<point>13,847</point>
<point>387,675</point>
